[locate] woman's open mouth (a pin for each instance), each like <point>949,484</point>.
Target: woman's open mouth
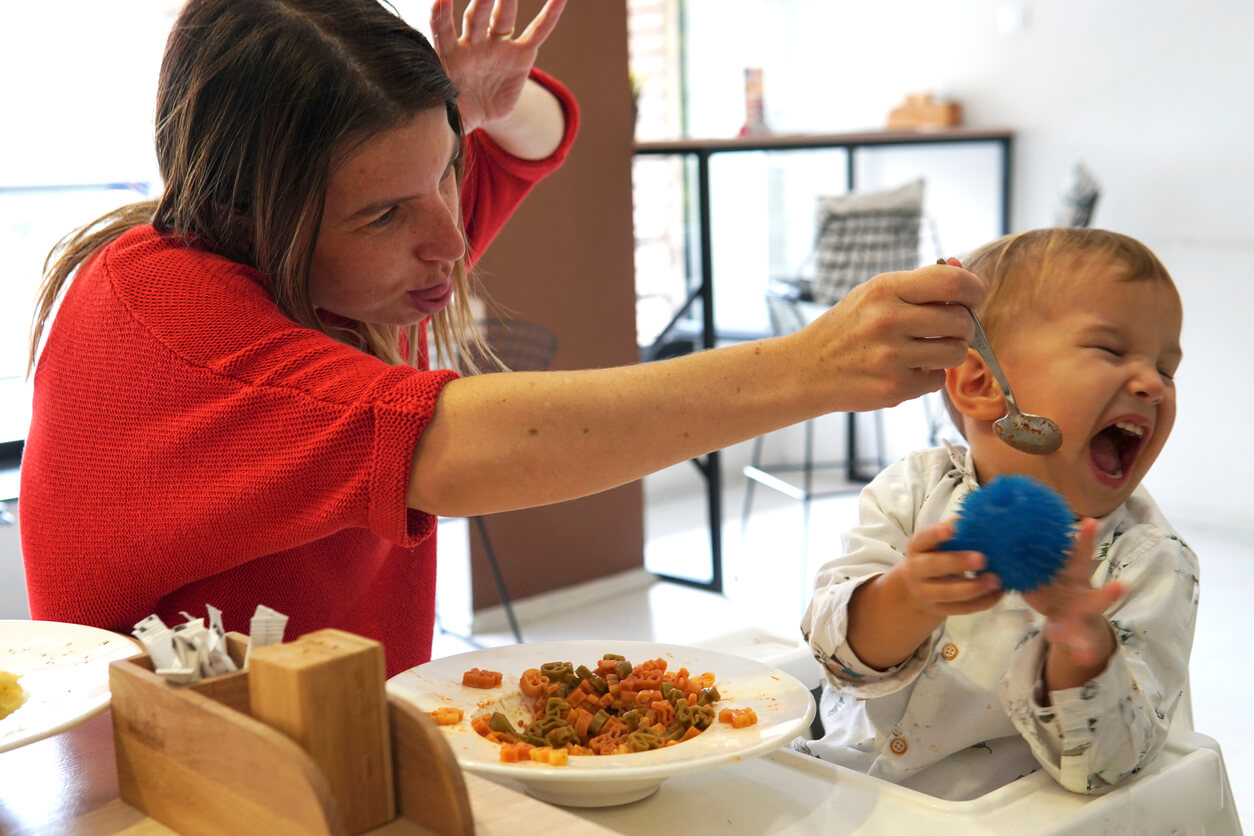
<point>432,299</point>
<point>1114,449</point>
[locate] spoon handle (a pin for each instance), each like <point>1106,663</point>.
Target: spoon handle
<point>980,344</point>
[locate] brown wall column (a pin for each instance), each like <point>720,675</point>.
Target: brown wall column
<point>564,260</point>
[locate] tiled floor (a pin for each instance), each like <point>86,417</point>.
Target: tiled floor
<point>768,565</point>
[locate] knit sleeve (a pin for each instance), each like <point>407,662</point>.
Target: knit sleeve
<point>496,181</point>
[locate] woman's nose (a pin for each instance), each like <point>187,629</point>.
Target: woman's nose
<point>440,234</point>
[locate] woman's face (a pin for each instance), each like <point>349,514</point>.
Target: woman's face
<point>391,230</point>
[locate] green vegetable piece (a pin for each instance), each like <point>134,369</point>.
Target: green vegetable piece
<point>642,741</point>
<point>598,684</point>
<point>708,695</point>
<point>559,672</point>
<point>561,735</point>
<point>702,716</point>
<point>556,707</point>
<point>499,722</point>
<point>623,669</point>
<point>613,656</point>
<point>598,720</point>
<point>631,718</point>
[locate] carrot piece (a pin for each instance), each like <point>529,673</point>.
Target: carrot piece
<point>475,678</point>
<point>446,715</point>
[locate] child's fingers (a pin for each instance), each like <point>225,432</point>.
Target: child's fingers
<point>1080,562</point>
<point>960,591</point>
<point>929,538</point>
<point>929,565</point>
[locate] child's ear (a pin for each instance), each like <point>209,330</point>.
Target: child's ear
<point>973,390</point>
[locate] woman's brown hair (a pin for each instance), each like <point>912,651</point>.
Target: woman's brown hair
<point>257,101</point>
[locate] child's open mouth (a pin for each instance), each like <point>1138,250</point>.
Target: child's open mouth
<point>1113,450</point>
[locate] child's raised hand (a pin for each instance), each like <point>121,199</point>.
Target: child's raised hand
<point>1073,607</point>
<point>938,581</point>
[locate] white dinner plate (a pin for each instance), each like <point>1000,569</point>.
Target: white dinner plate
<point>64,669</point>
<point>783,705</point>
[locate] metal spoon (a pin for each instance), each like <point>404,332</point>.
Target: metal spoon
<point>1023,431</point>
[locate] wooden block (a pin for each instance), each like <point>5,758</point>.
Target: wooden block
<point>430,786</point>
<point>326,691</point>
<point>200,767</point>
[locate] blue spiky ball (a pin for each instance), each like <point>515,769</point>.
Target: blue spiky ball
<point>1022,526</point>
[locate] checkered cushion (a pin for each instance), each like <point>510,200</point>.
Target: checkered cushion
<point>865,233</point>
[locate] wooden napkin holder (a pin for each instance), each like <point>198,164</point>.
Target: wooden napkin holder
<point>305,741</point>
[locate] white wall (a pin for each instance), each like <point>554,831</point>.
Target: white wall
<point>1154,95</point>
<point>1157,97</point>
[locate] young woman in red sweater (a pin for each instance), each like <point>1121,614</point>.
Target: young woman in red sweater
<point>233,404</point>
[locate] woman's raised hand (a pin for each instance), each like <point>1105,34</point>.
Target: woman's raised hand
<point>891,338</point>
<point>490,61</point>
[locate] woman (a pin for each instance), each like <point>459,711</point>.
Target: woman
<point>233,405</point>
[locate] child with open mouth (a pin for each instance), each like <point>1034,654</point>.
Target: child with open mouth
<point>940,679</point>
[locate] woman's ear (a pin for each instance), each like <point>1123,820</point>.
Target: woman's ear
<point>973,391</point>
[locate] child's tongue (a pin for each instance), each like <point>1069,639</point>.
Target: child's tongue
<point>1106,454</point>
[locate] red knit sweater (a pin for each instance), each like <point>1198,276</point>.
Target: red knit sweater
<point>190,445</point>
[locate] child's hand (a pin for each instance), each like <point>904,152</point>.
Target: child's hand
<point>1073,607</point>
<point>938,582</point>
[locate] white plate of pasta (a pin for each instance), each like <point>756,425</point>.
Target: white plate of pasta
<point>674,739</point>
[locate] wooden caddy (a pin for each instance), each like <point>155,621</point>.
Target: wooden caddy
<point>305,741</point>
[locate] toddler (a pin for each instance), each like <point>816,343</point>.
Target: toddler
<point>936,678</point>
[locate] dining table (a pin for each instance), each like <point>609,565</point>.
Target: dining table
<point>67,783</point>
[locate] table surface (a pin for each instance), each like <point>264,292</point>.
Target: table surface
<point>68,784</point>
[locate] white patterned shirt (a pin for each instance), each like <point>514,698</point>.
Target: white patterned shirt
<point>964,714</point>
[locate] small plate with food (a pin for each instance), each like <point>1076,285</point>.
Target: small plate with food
<point>53,676</point>
<point>594,723</point>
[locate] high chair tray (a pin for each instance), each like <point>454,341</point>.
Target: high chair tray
<point>790,793</point>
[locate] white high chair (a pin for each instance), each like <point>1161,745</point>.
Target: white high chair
<point>1185,790</point>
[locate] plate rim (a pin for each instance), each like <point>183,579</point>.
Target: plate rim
<point>91,707</point>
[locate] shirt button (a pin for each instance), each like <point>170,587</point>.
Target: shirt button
<point>950,651</point>
<point>898,745</point>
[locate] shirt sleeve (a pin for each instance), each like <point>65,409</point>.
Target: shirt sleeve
<point>1091,737</point>
<point>886,522</point>
<point>496,182</point>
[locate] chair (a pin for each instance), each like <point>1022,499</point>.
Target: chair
<point>1185,789</point>
<point>859,235</point>
<point>521,347</point>
<point>1079,198</point>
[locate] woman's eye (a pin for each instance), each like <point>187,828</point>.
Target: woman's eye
<point>383,219</point>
